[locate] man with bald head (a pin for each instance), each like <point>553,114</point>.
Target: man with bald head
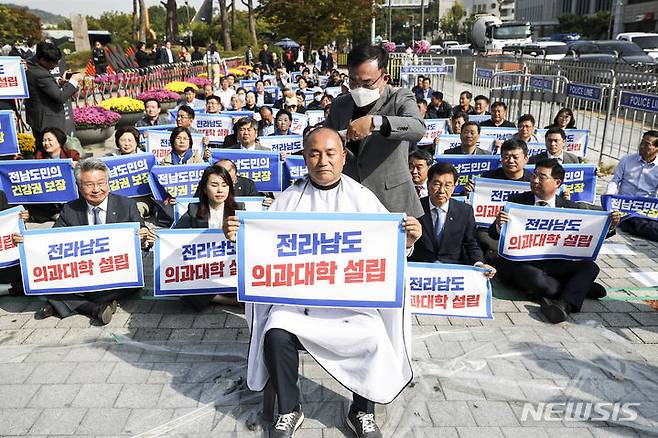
<point>366,350</point>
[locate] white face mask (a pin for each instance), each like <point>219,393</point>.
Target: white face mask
<point>317,98</point>
<point>364,96</point>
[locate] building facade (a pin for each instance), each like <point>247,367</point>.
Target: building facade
<point>505,12</point>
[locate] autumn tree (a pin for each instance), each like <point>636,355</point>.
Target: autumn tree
<point>18,24</point>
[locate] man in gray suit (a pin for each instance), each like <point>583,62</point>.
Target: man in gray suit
<point>555,138</point>
<point>45,106</point>
<point>379,124</point>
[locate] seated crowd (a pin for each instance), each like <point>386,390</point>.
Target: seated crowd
<point>444,232</point>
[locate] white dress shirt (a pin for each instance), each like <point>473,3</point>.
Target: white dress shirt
<point>550,202</point>
<point>559,158</point>
<point>216,217</point>
<point>102,214</point>
<point>421,189</point>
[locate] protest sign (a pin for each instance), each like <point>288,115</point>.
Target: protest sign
<point>274,90</point>
<point>193,262</point>
<point>631,206</point>
<point>181,207</point>
<point>449,290</point>
<point>433,129</point>
<point>235,115</point>
<point>535,233</point>
<point>498,133</point>
<point>479,118</point>
<point>535,148</point>
<point>576,142</point>
<point>469,166</point>
<point>490,195</point>
<point>129,174</point>
<point>294,169</point>
<point>8,138</point>
<point>282,143</point>
<point>143,132</point>
<point>214,126</point>
<point>92,258</point>
<point>180,180</point>
<point>10,223</point>
<point>157,144</point>
<point>299,123</point>
<point>447,141</point>
<point>321,259</point>
<point>38,181</point>
<point>262,167</point>
<point>248,84</point>
<point>580,180</point>
<point>13,84</point>
<point>317,116</point>
<point>333,91</point>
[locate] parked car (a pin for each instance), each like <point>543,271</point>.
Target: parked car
<point>545,50</point>
<point>647,41</point>
<point>608,51</point>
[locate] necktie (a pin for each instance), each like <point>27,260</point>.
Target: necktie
<point>97,216</point>
<point>438,226</point>
<point>542,203</point>
<point>418,190</point>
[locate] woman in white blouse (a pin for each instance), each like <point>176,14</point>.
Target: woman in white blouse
<point>216,202</point>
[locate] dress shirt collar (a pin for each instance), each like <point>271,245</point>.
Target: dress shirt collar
<point>550,202</point>
<point>102,206</point>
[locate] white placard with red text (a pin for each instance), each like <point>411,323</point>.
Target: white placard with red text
<point>157,143</point>
<point>10,223</point>
<point>448,290</point>
<point>81,259</point>
<point>13,82</point>
<point>489,196</point>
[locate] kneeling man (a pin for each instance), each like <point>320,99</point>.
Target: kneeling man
<point>366,350</point>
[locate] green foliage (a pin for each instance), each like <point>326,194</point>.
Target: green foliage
<point>77,61</point>
<point>593,27</point>
<point>451,24</point>
<point>18,24</point>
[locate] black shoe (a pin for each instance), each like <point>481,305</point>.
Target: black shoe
<point>46,311</point>
<point>286,425</point>
<point>104,313</point>
<point>554,310</point>
<point>363,425</point>
<point>596,291</point>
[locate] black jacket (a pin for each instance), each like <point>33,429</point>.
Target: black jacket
<point>119,210</point>
<point>189,219</point>
<point>245,187</point>
<point>490,124</point>
<point>458,244</point>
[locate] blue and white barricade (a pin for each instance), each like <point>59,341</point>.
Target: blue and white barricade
<point>282,143</point>
<point>498,132</point>
<point>214,126</point>
<point>90,258</point>
<point>175,181</point>
<point>631,206</point>
<point>580,179</point>
<point>489,196</point>
<point>8,137</point>
<point>317,116</point>
<point>157,144</point>
<point>447,141</point>
<point>129,174</point>
<point>38,181</point>
<point>294,168</point>
<point>13,83</point>
<point>536,233</point>
<point>299,123</point>
<point>10,223</point>
<point>576,142</point>
<point>469,167</point>
<point>449,290</point>
<point>262,167</point>
<point>193,262</point>
<point>321,259</point>
<point>433,128</point>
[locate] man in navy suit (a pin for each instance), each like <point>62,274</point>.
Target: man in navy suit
<point>561,285</point>
<point>448,225</point>
<point>96,206</point>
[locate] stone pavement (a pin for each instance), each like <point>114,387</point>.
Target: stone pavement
<point>161,369</point>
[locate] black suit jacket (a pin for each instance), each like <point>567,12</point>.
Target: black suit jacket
<point>528,198</point>
<point>119,210</point>
<point>567,158</point>
<point>458,244</point>
<point>45,106</point>
<point>189,219</point>
<point>3,201</point>
<point>490,123</point>
<point>245,187</point>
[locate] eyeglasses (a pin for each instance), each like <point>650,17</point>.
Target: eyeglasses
<point>354,83</point>
<point>439,186</point>
<point>180,117</point>
<point>541,177</point>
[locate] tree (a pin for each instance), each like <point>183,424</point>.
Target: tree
<point>135,21</point>
<point>17,24</point>
<point>226,36</point>
<point>171,20</point>
<point>590,27</point>
<point>252,20</point>
<point>451,24</point>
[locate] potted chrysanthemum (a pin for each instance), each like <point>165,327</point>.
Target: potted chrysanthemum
<point>167,99</point>
<point>26,145</point>
<point>180,86</point>
<point>200,81</point>
<point>94,124</point>
<point>131,110</point>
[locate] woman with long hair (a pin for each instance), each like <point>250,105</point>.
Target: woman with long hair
<point>564,119</point>
<point>216,202</point>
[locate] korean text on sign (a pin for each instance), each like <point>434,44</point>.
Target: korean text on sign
<point>38,181</point>
<point>215,126</point>
<point>81,259</point>
<point>262,167</point>
<point>175,181</point>
<point>448,290</point>
<point>321,259</point>
<point>129,174</point>
<point>631,206</point>
<point>490,195</point>
<point>194,262</point>
<point>534,233</point>
<point>13,83</point>
<point>470,166</point>
<point>8,138</point>
<point>10,223</point>
<point>157,144</point>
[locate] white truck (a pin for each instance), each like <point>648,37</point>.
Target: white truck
<point>490,34</point>
<point>646,40</point>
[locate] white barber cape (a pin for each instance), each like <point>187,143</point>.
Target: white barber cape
<point>366,350</point>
